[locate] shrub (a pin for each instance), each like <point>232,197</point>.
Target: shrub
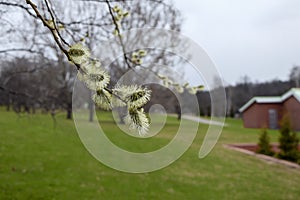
<point>264,146</point>
<point>288,142</point>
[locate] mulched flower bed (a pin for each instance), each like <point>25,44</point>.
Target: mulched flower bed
<point>250,149</point>
<point>254,147</point>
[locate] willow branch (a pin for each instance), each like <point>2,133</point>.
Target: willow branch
<point>53,31</point>
<point>54,17</point>
<point>119,36</point>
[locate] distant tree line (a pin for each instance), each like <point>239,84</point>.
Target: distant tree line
<point>28,85</point>
<point>39,83</point>
<point>32,84</point>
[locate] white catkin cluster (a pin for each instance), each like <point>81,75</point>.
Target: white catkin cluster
<point>119,16</point>
<point>79,53</point>
<point>137,57</point>
<point>97,79</point>
<point>137,120</point>
<point>135,97</point>
<point>180,88</point>
<point>102,99</point>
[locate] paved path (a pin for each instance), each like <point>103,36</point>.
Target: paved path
<point>201,120</point>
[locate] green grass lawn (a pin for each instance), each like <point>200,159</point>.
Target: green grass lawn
<point>40,161</point>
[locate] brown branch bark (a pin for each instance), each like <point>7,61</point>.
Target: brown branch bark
<point>119,36</point>
<point>53,31</point>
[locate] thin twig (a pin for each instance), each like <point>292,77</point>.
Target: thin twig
<point>84,23</point>
<point>53,18</point>
<point>53,32</point>
<point>119,35</point>
<point>20,6</point>
<point>103,1</point>
<point>14,92</point>
<point>20,49</point>
<point>122,1</point>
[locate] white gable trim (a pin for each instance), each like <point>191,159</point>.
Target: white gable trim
<point>293,92</point>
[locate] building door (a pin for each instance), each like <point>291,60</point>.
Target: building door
<point>273,119</point>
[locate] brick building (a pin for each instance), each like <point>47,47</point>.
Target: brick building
<point>267,111</point>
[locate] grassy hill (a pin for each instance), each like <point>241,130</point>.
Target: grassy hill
<point>41,161</point>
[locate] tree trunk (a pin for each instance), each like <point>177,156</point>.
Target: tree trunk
<point>178,111</point>
<point>91,108</point>
<point>8,107</point>
<point>8,103</point>
<point>69,111</point>
<point>122,115</point>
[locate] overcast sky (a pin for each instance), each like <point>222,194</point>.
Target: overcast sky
<point>258,38</point>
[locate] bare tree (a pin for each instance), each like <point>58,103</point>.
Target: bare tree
<point>92,21</point>
<point>295,75</point>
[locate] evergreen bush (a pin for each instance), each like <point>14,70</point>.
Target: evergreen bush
<point>288,142</point>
